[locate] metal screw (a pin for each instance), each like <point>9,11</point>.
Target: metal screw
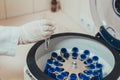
<point>74,64</point>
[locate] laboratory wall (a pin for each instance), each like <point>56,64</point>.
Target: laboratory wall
<point>11,8</point>
<point>79,11</point>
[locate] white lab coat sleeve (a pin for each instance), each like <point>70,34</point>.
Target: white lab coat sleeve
<point>9,37</point>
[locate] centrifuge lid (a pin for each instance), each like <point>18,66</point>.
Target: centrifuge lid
<point>106,13</point>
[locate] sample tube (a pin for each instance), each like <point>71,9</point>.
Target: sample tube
<point>83,76</point>
<point>65,74</point>
<point>58,69</point>
<point>95,59</point>
<point>57,63</point>
<point>66,56</point>
<point>96,76</point>
<point>83,57</point>
<point>59,58</point>
<point>63,51</point>
<point>88,61</point>
<point>99,69</point>
<point>54,55</point>
<point>73,76</point>
<point>87,53</point>
<point>74,55</point>
<point>48,65</point>
<point>88,72</point>
<point>90,67</point>
<point>51,73</point>
<point>60,77</point>
<point>75,50</point>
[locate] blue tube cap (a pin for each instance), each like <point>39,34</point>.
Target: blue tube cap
<point>98,65</point>
<point>86,52</point>
<point>75,49</point>
<point>54,54</point>
<point>65,74</point>
<point>74,55</point>
<point>95,58</point>
<point>66,55</point>
<point>73,76</point>
<point>89,61</point>
<point>83,57</point>
<point>56,63</point>
<point>59,58</point>
<point>49,61</point>
<point>63,50</point>
<point>59,77</point>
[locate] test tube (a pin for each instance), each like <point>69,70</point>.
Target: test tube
<point>57,63</point>
<point>63,51</point>
<point>48,65</point>
<point>90,67</point>
<point>95,59</point>
<point>58,69</point>
<point>88,61</point>
<point>99,69</point>
<point>74,55</point>
<point>83,76</point>
<point>83,57</point>
<point>54,55</point>
<point>96,76</point>
<point>59,58</point>
<point>75,50</point>
<point>73,76</point>
<point>88,72</point>
<point>60,77</point>
<point>87,53</point>
<point>66,56</point>
<point>65,74</point>
<point>51,73</point>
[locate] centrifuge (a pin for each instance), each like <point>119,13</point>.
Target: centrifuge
<point>72,56</point>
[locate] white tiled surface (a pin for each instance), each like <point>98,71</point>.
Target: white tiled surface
<point>11,68</point>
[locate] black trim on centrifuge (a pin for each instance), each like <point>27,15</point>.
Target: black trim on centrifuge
<point>39,75</point>
<point>114,8</point>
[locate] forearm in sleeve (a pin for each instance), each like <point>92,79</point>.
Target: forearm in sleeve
<point>8,40</point>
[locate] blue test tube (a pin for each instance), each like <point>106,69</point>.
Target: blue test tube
<point>99,68</point>
<point>96,75</point>
<point>73,76</point>
<point>87,53</point>
<point>48,65</point>
<point>65,74</point>
<point>63,51</point>
<point>66,56</point>
<point>59,58</point>
<point>95,59</point>
<point>74,55</point>
<point>58,69</point>
<point>75,50</point>
<point>88,72</point>
<point>51,73</point>
<point>88,61</point>
<point>54,55</point>
<point>60,77</point>
<point>57,63</point>
<point>83,57</point>
<point>90,67</point>
<point>83,76</point>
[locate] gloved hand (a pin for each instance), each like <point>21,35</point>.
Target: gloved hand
<point>35,31</point>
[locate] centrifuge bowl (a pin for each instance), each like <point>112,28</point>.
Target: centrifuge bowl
<point>36,58</point>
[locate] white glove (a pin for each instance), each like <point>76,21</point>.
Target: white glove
<point>35,31</point>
